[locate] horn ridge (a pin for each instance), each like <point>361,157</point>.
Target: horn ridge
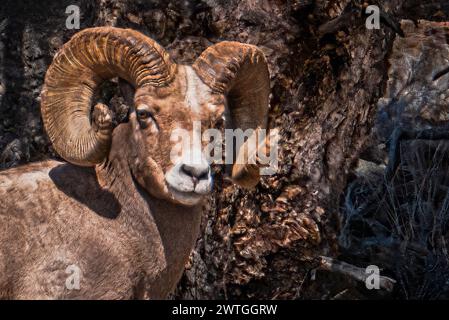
<point>240,72</point>
<point>87,59</point>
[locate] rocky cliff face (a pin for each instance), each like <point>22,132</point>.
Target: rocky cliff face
<point>328,72</point>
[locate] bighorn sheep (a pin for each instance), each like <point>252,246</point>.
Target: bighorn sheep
<point>128,224</point>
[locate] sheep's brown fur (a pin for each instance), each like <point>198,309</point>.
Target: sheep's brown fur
<point>134,247</point>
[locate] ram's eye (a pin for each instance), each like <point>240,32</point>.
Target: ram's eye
<point>146,117</point>
<point>143,114</point>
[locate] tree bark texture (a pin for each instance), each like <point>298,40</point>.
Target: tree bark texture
<point>326,78</point>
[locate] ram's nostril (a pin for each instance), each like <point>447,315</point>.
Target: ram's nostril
<point>197,172</point>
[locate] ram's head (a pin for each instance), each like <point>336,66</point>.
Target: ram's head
<point>228,77</point>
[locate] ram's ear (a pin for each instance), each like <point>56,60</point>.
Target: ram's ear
<point>127,91</point>
<point>246,168</point>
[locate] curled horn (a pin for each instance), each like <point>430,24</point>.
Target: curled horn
<point>239,71</point>
<point>90,57</point>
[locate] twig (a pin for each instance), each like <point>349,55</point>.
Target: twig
<point>352,271</point>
